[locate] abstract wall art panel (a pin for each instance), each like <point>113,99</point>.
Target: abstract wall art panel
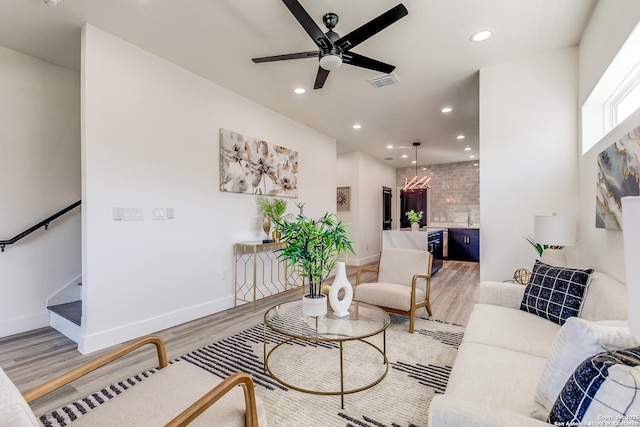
<point>253,166</point>
<point>618,176</point>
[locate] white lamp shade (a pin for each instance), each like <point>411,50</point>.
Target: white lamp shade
<point>631,237</point>
<point>555,230</point>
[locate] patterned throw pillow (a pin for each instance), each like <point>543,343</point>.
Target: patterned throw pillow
<point>555,293</point>
<point>603,390</point>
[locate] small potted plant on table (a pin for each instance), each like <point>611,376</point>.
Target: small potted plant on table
<point>271,211</point>
<point>414,218</point>
<point>313,246</point>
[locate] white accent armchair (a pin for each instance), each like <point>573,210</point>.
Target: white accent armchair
<point>403,284</point>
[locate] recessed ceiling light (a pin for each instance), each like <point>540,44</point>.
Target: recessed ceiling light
<point>299,91</point>
<point>472,156</point>
<point>460,137</point>
<point>413,162</point>
<point>467,148</point>
<point>389,146</point>
<point>447,110</point>
<point>357,126</point>
<point>481,36</point>
<point>424,169</point>
<point>404,156</point>
<point>52,2</point>
<point>475,164</point>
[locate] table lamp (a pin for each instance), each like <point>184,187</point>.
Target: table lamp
<point>555,231</point>
<point>631,238</point>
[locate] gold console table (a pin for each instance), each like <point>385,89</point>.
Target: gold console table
<point>259,274</point>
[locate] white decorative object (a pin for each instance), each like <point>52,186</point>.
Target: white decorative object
<point>415,226</point>
<point>341,306</point>
<point>631,238</point>
<point>314,306</point>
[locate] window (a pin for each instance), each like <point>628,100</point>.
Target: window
<point>626,100</point>
<point>616,96</point>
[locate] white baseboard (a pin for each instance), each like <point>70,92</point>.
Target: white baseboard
<point>24,324</point>
<point>357,262</point>
<point>88,343</point>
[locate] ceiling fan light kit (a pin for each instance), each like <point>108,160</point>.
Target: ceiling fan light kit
<point>334,50</point>
<point>331,62</point>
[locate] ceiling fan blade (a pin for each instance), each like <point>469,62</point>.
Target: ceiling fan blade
<point>352,58</point>
<point>371,28</point>
<point>321,77</point>
<point>309,25</point>
<point>299,55</point>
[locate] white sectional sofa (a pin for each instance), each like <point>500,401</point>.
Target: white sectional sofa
<point>504,353</point>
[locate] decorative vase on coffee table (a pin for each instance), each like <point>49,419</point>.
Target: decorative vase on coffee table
<point>341,306</point>
<point>314,306</point>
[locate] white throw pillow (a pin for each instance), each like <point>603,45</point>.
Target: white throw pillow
<point>577,340</point>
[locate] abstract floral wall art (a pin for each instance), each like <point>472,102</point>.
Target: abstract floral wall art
<point>249,165</point>
<point>618,176</point>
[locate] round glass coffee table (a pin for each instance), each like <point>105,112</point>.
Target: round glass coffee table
<point>314,354</point>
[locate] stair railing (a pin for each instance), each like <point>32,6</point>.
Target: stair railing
<point>44,223</point>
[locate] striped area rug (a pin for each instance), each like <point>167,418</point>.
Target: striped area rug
<point>419,367</point>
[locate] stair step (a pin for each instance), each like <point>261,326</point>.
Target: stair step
<point>72,311</point>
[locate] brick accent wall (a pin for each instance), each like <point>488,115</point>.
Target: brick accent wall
<point>455,190</point>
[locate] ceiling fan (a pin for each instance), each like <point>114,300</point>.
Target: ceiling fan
<point>334,50</point>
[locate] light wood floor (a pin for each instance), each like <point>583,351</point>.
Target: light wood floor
<point>33,357</point>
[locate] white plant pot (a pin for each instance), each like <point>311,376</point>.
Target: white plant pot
<point>341,306</point>
<point>314,306</point>
<point>415,226</point>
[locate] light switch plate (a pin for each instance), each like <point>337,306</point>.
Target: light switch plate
<point>159,213</point>
<point>118,214</point>
<point>133,214</point>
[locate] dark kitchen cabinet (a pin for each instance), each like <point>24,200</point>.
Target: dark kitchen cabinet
<point>464,244</point>
<point>416,200</point>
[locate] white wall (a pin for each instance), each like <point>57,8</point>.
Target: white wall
<point>528,147</point>
<point>40,151</point>
<point>348,175</point>
<point>151,139</point>
<point>609,27</point>
<point>366,176</point>
<point>600,248</point>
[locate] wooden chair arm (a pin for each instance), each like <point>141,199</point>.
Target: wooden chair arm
<point>94,364</point>
<point>202,404</point>
<point>413,286</point>
<point>361,269</point>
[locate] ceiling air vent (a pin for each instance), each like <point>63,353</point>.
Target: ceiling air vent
<point>384,80</point>
<point>388,158</point>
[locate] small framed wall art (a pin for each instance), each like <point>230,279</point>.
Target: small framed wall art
<point>343,199</point>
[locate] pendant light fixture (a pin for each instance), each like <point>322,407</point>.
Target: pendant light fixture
<point>416,183</point>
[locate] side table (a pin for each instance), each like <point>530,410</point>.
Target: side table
<point>259,274</point>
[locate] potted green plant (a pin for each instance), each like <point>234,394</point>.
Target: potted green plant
<point>313,246</point>
<point>541,248</point>
<point>414,218</point>
<point>274,210</point>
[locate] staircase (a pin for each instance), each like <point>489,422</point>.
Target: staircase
<point>72,311</point>
<point>65,311</point>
